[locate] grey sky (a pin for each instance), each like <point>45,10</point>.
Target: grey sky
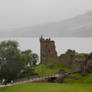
<point>19,13</point>
<point>81,45</point>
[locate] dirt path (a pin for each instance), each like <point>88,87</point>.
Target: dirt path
<point>31,80</point>
<point>39,79</point>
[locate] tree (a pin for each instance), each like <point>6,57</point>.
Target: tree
<point>69,51</point>
<point>34,59</point>
<point>14,62</point>
<point>11,62</point>
<point>30,61</point>
<point>31,58</point>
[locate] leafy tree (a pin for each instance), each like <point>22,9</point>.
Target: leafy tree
<point>31,58</point>
<point>69,51</point>
<point>10,60</point>
<point>14,62</point>
<point>30,61</point>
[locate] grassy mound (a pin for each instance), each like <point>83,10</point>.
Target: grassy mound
<point>45,69</point>
<point>48,87</point>
<point>83,84</point>
<point>82,79</point>
<point>50,68</point>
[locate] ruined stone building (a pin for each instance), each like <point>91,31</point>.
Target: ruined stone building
<point>47,51</point>
<point>67,58</point>
<point>77,61</point>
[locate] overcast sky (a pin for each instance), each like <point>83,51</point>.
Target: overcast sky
<point>19,13</point>
<point>81,45</point>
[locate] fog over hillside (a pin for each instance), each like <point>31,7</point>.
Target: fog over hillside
<point>79,26</point>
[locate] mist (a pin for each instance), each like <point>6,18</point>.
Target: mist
<point>23,13</point>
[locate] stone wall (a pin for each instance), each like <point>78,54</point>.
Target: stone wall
<point>67,58</point>
<point>79,62</point>
<point>89,63</point>
<point>47,51</point>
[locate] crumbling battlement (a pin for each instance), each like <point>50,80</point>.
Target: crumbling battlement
<point>79,62</point>
<point>47,51</point>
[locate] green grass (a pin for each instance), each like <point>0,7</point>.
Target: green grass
<point>48,87</point>
<point>44,69</point>
<point>82,79</point>
<point>84,84</point>
<point>81,56</point>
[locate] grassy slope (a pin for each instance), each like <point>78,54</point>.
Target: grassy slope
<point>44,69</point>
<point>48,87</point>
<point>85,79</point>
<point>84,84</point>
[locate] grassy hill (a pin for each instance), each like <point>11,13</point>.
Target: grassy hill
<point>83,84</point>
<point>82,79</point>
<point>50,68</point>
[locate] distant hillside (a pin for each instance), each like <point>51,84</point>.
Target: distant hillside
<point>79,26</point>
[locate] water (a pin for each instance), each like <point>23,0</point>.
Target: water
<point>82,45</point>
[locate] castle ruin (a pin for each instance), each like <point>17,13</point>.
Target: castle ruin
<point>47,51</point>
<point>77,61</point>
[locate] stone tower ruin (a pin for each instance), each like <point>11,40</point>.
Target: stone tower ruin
<point>47,51</point>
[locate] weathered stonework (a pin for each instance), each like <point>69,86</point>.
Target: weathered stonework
<point>79,62</point>
<point>89,63</point>
<point>47,51</point>
<point>67,59</point>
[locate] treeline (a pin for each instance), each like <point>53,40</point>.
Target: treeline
<point>15,63</point>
